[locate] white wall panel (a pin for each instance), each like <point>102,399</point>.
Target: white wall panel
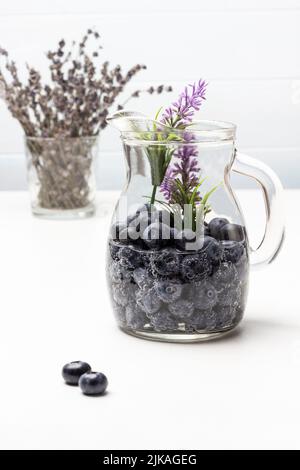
<point>264,111</point>
<point>19,7</point>
<point>174,45</point>
<point>248,50</point>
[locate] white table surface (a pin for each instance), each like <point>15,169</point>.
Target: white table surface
<point>239,392</point>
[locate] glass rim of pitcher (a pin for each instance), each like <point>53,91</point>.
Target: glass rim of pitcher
<point>199,131</point>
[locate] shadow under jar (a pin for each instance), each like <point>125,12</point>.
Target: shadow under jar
<point>170,282</point>
<point>61,176</point>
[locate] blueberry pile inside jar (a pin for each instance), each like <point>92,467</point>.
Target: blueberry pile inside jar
<point>177,281</point>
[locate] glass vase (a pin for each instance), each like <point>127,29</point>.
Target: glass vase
<point>61,176</point>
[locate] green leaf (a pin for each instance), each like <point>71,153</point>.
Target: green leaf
<point>174,137</point>
<point>157,114</point>
<point>208,194</point>
<point>194,193</point>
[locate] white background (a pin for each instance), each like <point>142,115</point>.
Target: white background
<point>241,392</point>
<point>249,51</point>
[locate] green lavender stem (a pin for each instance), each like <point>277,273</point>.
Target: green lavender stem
<point>153,195</point>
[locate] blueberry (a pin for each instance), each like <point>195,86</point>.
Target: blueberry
<point>181,308</point>
<point>123,293</point>
<point>225,316</point>
<point>207,231</point>
<point>226,274</point>
<point>142,278</point>
<point>93,383</point>
<point>213,249</point>
<point>72,371</point>
<point>118,273</point>
<point>145,257</point>
<point>120,314</point>
<point>229,295</point>
<point>163,321</point>
<point>168,291</point>
<point>156,235</point>
<point>204,295</point>
<point>215,226</point>
<point>114,249</point>
<point>129,257</point>
<point>136,318</point>
<point>148,301</point>
<point>232,250</point>
<point>210,320</point>
<point>233,232</point>
<point>196,267</point>
<point>198,320</point>
<point>115,230</point>
<point>165,262</point>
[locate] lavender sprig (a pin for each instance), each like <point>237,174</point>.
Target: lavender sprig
<point>180,114</point>
<point>186,170</point>
<point>77,100</point>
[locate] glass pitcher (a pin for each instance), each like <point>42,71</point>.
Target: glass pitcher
<point>178,253</point>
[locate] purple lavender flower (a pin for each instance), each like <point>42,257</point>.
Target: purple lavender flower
<point>180,114</point>
<point>183,176</point>
<point>186,169</point>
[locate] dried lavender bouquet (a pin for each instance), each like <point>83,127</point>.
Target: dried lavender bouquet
<point>62,119</point>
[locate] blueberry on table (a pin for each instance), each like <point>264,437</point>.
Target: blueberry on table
<point>72,371</point>
<point>93,383</point>
<point>233,232</point>
<point>215,226</point>
<point>232,251</point>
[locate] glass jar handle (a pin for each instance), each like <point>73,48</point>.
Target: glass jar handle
<point>273,198</point>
